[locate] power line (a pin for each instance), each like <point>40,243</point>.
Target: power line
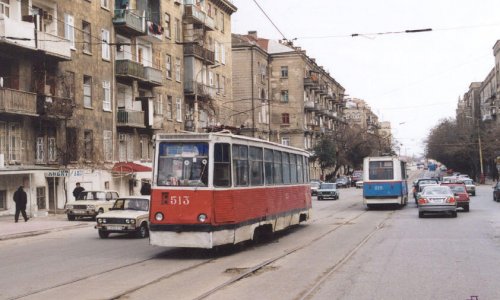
<point>265,14</point>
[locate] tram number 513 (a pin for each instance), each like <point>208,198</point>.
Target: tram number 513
<point>179,200</point>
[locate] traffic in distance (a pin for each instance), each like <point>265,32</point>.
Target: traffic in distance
<point>217,189</point>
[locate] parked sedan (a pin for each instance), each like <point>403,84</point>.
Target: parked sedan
<point>496,192</point>
<point>128,215</point>
<point>328,191</point>
<point>437,198</point>
<point>342,182</point>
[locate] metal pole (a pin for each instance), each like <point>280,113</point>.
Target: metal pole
<point>55,195</point>
<point>480,152</point>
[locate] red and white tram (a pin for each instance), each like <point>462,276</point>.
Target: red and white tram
<point>217,188</point>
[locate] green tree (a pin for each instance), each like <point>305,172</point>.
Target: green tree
<point>324,153</point>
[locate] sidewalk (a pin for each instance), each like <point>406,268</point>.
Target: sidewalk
<point>36,226</point>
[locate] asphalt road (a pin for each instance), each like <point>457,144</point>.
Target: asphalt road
<point>344,252</point>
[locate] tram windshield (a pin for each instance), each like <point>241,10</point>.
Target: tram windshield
<point>183,164</point>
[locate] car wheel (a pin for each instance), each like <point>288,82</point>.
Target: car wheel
<point>420,214</point>
<point>474,194</point>
<point>453,214</point>
<point>466,208</point>
<point>143,231</point>
<point>71,218</point>
<point>103,234</point>
<point>319,198</point>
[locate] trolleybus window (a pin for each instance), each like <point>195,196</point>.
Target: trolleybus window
<point>381,170</point>
<point>256,167</point>
<point>222,165</point>
<point>268,166</point>
<point>240,165</point>
<point>183,164</point>
<point>278,178</point>
<point>286,168</point>
<point>293,168</point>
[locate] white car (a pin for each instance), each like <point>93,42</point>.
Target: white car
<point>128,215</point>
<point>91,204</point>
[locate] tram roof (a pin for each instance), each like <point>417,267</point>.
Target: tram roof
<point>221,135</point>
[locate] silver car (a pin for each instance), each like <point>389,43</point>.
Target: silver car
<point>437,198</point>
<point>470,186</point>
<point>328,191</point>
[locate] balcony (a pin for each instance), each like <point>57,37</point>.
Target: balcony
<point>311,82</point>
<point>200,52</point>
<point>154,32</point>
<point>17,102</point>
<point>309,105</point>
<point>53,45</point>
<point>129,22</point>
<point>55,107</point>
<point>200,90</point>
<point>196,15</point>
<point>129,69</point>
<point>153,76</point>
<point>130,118</point>
<point>21,34</point>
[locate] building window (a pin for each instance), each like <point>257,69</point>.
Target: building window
<point>168,66</point>
<point>284,72</point>
<point>5,7</point>
<point>3,200</point>
<point>106,90</point>
<point>106,50</point>
<point>178,69</point>
<point>211,78</point>
<point>72,143</point>
<point>169,107</point>
<point>10,141</point>
<point>105,4</point>
<point>40,197</point>
<point>87,91</point>
<point>221,22</point>
<point>69,29</point>
<point>177,29</point>
<point>284,96</point>
<point>167,25</point>
<point>40,149</point>
<point>87,35</point>
<point>223,54</point>
<point>144,147</point>
<point>223,85</point>
<point>52,149</point>
<point>178,110</point>
<point>217,46</point>
<point>217,83</point>
<point>285,141</point>
<point>158,108</point>
<point>285,118</point>
<point>264,113</point>
<point>88,141</point>
<point>108,145</point>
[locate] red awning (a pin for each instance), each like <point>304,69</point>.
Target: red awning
<point>130,167</point>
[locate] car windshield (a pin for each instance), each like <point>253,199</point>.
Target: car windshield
<point>328,186</point>
<point>131,204</point>
<point>427,181</point>
<point>436,190</point>
<point>469,182</point>
<point>314,184</point>
<point>457,189</point>
<point>91,196</point>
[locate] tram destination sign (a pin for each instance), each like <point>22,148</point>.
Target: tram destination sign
<point>63,173</point>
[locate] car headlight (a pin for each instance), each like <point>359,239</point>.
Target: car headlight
<point>99,221</point>
<point>90,206</point>
<point>132,221</point>
<point>159,216</point>
<point>202,218</point>
<point>104,220</point>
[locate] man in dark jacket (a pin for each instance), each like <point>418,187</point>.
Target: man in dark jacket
<point>21,199</point>
<point>77,190</point>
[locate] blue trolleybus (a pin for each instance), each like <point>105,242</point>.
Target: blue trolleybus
<point>384,181</point>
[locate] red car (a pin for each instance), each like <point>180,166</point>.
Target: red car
<point>461,195</point>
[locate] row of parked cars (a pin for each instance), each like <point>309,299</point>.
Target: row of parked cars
<point>113,214</point>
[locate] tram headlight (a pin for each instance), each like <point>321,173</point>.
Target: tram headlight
<point>202,218</point>
<point>159,216</point>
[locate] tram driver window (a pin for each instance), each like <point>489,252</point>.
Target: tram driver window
<point>222,165</point>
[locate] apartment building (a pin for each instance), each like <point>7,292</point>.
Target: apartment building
<point>281,94</point>
<point>84,86</point>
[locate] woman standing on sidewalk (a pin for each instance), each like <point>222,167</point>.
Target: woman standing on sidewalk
<point>21,199</point>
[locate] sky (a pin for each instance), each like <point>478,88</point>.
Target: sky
<point>412,80</point>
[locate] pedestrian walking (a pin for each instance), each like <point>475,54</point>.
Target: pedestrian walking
<point>146,188</point>
<point>77,190</point>
<point>20,198</point>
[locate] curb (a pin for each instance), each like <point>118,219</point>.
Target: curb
<point>40,232</point>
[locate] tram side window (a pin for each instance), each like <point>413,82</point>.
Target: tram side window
<point>286,168</point>
<point>240,165</point>
<point>293,168</point>
<point>222,165</point>
<point>268,166</point>
<point>306,169</point>
<point>256,166</point>
<point>300,170</point>
<point>278,177</point>
<point>381,170</point>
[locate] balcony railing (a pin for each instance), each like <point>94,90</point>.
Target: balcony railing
<point>17,102</point>
<point>54,45</point>
<point>55,107</point>
<point>129,68</point>
<point>309,105</point>
<point>130,21</point>
<point>200,90</point>
<point>130,118</point>
<point>194,13</point>
<point>200,52</point>
<point>17,33</point>
<point>311,82</point>
<point>153,75</point>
